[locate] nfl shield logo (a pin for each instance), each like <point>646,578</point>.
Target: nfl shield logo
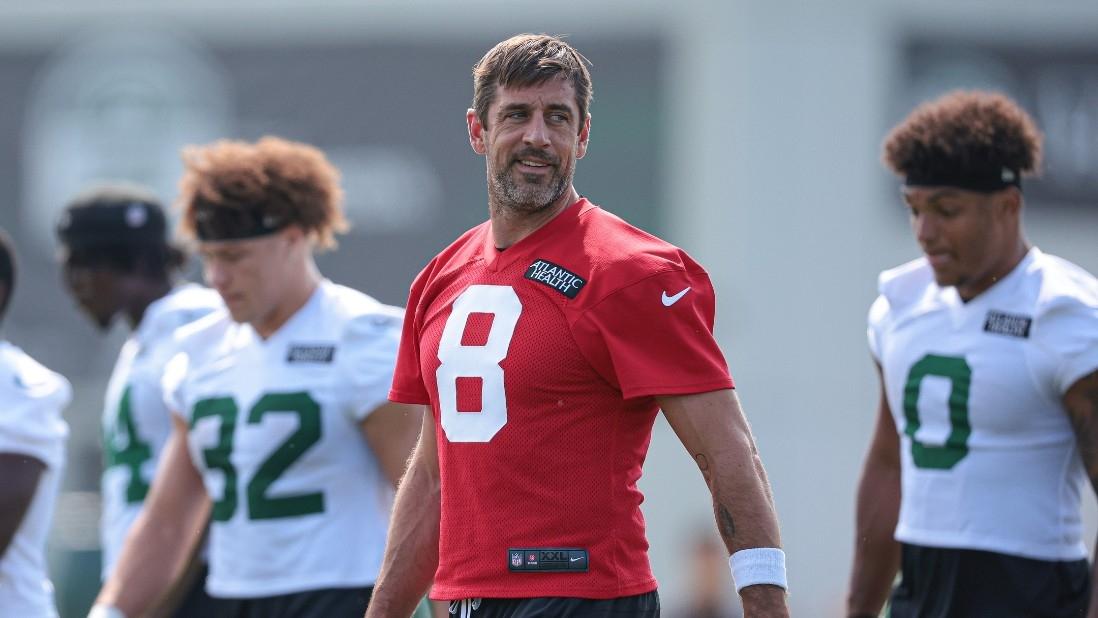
<point>516,558</point>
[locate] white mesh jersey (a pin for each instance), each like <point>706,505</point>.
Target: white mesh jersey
<point>988,454</point>
<point>31,400</point>
<point>136,423</point>
<point>300,501</point>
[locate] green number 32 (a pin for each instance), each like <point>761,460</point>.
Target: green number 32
<point>260,505</point>
<point>956,445</point>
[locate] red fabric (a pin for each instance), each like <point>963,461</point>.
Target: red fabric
<point>579,378</point>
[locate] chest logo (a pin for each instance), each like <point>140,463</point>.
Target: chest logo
<point>311,354</point>
<point>671,300</point>
<point>557,277</point>
<point>1008,324</point>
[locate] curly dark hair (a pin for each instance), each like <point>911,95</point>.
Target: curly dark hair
<point>529,60</point>
<point>290,181</point>
<point>966,134</point>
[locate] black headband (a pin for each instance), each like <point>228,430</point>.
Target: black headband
<point>112,223</point>
<point>215,222</point>
<point>982,181</point>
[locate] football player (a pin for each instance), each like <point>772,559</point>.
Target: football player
<point>987,350</point>
<point>544,342</point>
<point>282,435</point>
<point>32,455</point>
<point>117,262</point>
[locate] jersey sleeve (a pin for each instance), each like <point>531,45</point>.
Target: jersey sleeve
<point>172,383</point>
<point>655,336</point>
<point>877,313</point>
<point>1068,332</point>
<point>407,386</point>
<point>366,356</point>
<point>31,423</point>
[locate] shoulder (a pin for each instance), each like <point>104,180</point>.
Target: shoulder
<point>181,306</point>
<point>22,377</point>
<point>358,315</point>
<point>464,249</point>
<point>203,333</point>
<point>1059,284</point>
<point>615,254</point>
<point>905,284</point>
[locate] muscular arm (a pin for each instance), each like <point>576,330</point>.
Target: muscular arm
<point>714,431</point>
<point>1081,403</point>
<point>391,432</point>
<point>876,552</point>
<point>20,474</point>
<point>411,551</point>
<point>161,540</point>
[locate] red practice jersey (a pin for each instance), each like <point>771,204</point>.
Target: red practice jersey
<point>540,364</point>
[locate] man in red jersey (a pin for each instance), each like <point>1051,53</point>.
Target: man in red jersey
<point>545,340</point>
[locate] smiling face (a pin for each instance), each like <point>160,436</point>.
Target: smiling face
<point>533,138</point>
<point>970,239</point>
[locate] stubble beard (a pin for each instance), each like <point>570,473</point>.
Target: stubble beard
<point>533,195</point>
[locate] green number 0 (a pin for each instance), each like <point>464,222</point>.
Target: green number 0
<point>261,506</point>
<point>134,455</point>
<point>956,445</point>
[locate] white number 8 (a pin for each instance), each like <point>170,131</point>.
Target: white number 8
<point>476,361</point>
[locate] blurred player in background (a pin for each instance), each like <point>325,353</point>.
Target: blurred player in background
<point>545,341</point>
<point>32,455</point>
<point>282,433</point>
<point>987,350</point>
<point>118,262</point>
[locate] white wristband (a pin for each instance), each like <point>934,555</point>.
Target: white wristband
<point>758,565</point>
<point>105,611</point>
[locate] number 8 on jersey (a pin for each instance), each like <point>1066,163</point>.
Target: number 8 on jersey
<point>461,360</point>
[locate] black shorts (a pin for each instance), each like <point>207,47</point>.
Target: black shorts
<point>197,603</point>
<point>645,605</point>
<point>946,583</point>
<point>325,603</point>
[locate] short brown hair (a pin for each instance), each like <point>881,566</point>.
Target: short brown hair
<point>528,60</point>
<point>971,134</point>
<point>290,181</point>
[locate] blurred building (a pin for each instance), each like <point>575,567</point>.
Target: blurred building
<point>746,131</point>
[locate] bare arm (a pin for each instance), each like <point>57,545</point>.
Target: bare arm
<point>714,431</point>
<point>1081,403</point>
<point>391,432</point>
<point>876,552</point>
<point>20,474</point>
<point>161,540</point>
<point>411,551</point>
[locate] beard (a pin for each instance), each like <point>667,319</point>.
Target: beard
<point>534,192</point>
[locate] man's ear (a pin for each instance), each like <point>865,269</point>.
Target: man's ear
<point>476,132</point>
<point>584,137</point>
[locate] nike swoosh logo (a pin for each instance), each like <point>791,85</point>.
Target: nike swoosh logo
<point>671,300</point>
<point>575,559</point>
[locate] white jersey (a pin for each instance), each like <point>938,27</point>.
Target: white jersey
<point>31,400</point>
<point>988,454</point>
<point>299,500</point>
<point>136,423</point>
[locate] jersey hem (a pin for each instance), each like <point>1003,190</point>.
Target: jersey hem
<point>679,389</point>
<point>1061,553</point>
<point>269,588</point>
<point>442,593</point>
<point>404,397</point>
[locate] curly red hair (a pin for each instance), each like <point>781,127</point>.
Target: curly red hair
<point>291,181</point>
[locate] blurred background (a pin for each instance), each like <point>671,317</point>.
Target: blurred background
<point>746,131</point>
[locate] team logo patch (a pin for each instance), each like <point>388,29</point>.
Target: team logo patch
<point>1007,324</point>
<point>557,277</point>
<point>311,354</point>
